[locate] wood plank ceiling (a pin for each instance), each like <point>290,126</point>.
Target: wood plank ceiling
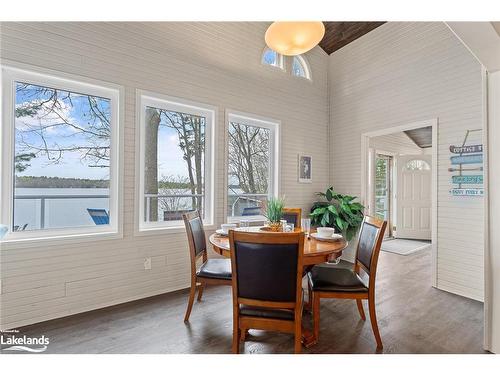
<point>339,34</point>
<point>422,137</point>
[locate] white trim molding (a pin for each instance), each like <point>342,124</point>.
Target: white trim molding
<point>12,73</point>
<point>366,175</point>
<point>275,150</point>
<point>149,99</point>
<point>492,256</point>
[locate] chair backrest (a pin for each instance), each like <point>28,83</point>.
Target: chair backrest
<point>292,215</point>
<point>195,234</point>
<point>370,239</point>
<point>98,215</point>
<point>267,268</point>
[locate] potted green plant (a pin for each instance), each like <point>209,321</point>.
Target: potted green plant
<point>338,211</point>
<point>274,212</point>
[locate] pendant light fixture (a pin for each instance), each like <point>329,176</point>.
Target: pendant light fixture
<point>294,38</point>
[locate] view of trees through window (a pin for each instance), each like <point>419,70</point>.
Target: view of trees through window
<point>248,169</point>
<point>299,68</point>
<point>62,157</point>
<point>174,164</point>
<point>417,165</point>
<point>62,161</point>
<point>382,184</point>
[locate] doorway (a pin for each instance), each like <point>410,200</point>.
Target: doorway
<point>399,184</point>
<point>413,197</point>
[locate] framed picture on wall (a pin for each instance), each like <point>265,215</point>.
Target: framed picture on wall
<point>305,168</point>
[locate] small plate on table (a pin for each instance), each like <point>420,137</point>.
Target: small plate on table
<point>334,237</point>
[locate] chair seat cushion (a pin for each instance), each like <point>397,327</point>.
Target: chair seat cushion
<point>216,269</point>
<point>261,312</point>
<point>329,279</point>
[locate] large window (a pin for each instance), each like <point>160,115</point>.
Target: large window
<point>59,156</point>
<point>176,160</point>
<point>252,165</point>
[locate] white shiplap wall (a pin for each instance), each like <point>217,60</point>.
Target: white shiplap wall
<point>402,73</point>
<point>213,63</point>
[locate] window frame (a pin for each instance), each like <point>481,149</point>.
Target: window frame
<point>275,153</point>
<point>424,165</point>
<point>12,73</point>
<point>305,66</point>
<point>152,99</point>
<point>280,59</point>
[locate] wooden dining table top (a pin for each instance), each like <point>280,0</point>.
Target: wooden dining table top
<point>315,251</point>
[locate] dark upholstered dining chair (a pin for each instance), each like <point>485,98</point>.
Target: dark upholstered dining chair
<point>292,215</point>
<point>212,271</point>
<point>267,283</point>
<point>329,282</point>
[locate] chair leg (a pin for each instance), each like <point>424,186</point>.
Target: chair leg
<point>359,302</point>
<point>243,335</point>
<point>316,315</point>
<point>373,320</point>
<point>308,304</point>
<point>298,336</point>
<point>200,291</point>
<point>192,293</point>
<point>236,338</point>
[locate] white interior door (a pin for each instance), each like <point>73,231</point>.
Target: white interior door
<point>413,197</point>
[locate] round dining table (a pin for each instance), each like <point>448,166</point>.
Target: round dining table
<point>315,251</point>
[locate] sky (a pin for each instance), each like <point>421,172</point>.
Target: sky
<point>170,155</point>
<point>75,111</point>
<point>270,57</point>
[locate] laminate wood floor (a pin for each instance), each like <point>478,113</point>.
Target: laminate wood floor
<point>413,318</point>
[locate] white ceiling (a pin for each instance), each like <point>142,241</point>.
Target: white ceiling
<point>482,39</point>
<point>496,25</point>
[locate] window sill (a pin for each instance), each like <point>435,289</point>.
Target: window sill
<point>153,231</point>
<point>255,220</point>
<point>61,239</point>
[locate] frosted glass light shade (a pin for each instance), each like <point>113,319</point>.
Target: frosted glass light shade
<point>294,38</point>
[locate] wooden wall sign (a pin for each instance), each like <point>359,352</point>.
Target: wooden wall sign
<point>470,179</point>
<point>467,159</point>
<point>467,178</point>
<point>474,192</point>
<point>472,149</point>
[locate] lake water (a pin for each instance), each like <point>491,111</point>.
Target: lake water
<point>69,207</point>
<point>71,211</point>
<point>59,213</point>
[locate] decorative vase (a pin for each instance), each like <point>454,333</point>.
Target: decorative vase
<point>275,227</point>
